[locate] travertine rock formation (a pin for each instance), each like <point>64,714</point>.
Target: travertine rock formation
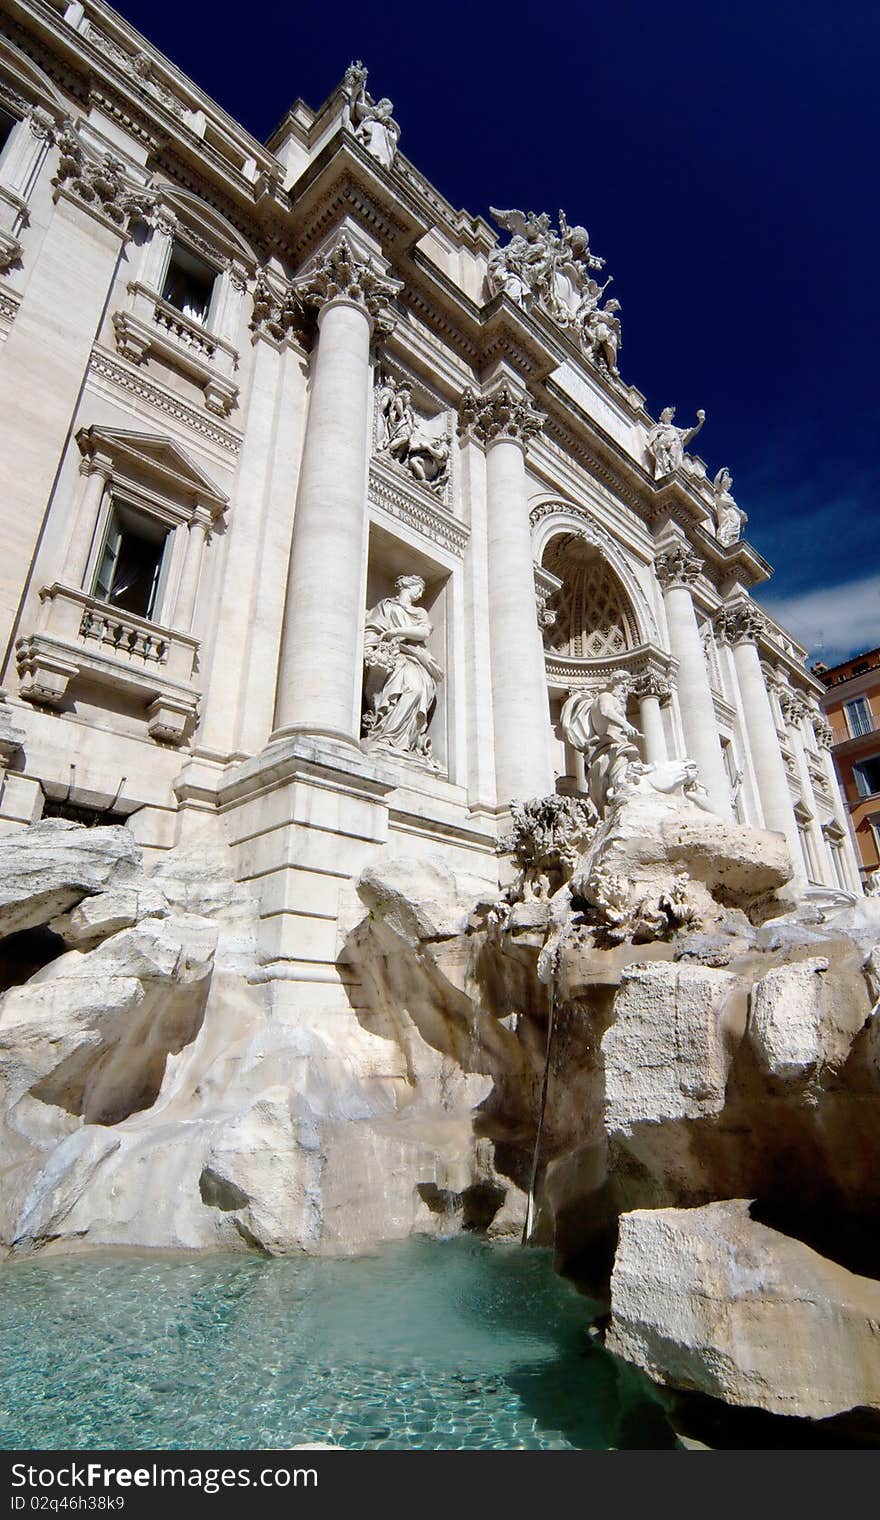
<point>709,1300</point>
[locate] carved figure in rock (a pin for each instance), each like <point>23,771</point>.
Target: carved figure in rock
<point>421,445</point>
<point>401,676</point>
<point>666,443</point>
<point>729,518</point>
<point>599,727</point>
<point>371,120</point>
<point>669,776</point>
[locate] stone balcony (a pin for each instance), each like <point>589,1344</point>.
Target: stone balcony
<point>80,638</point>
<point>154,326</point>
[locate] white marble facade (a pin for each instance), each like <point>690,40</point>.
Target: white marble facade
<point>250,394</point>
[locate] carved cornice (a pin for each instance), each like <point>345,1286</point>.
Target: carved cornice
<point>678,565</point>
<point>339,275</point>
<point>739,624</point>
<point>418,509</point>
<point>505,414</point>
<point>107,368</point>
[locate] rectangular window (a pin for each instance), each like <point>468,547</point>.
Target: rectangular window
<point>867,774</point>
<point>189,283</point>
<point>131,562</point>
<point>858,716</point>
<point>8,124</point>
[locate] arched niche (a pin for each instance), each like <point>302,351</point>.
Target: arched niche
<point>552,520</point>
<point>595,619</point>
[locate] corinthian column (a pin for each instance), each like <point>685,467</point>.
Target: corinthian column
<point>503,422</point>
<point>319,676</point>
<point>741,625</point>
<point>677,568</point>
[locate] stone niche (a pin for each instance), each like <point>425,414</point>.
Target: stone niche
<point>388,558</point>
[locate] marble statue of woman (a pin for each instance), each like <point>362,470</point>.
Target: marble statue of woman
<point>370,120</point>
<point>729,518</point>
<point>401,677</point>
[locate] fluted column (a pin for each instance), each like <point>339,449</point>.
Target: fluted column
<point>97,471</point>
<point>197,532</point>
<point>677,568</point>
<point>504,422</point>
<point>651,689</point>
<point>741,625</point>
<point>319,676</point>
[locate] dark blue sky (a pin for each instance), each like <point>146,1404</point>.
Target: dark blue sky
<point>725,160</point>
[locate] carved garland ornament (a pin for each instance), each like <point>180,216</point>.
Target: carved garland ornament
<point>504,414</point>
<point>340,275</point>
<point>99,185</point>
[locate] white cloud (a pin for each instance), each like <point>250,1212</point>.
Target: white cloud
<point>833,622</point>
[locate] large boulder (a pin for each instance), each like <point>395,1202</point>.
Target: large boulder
<point>710,1301</point>
<point>51,866</point>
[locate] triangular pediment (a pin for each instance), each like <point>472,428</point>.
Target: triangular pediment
<point>156,455</point>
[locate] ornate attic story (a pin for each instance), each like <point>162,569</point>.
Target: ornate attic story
<point>411,672</point>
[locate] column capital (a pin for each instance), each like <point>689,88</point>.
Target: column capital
<point>98,186</point>
<point>339,275</point>
<point>677,565</point>
<point>277,310</point>
<point>741,623</point>
<point>793,704</point>
<point>505,414</point>
<point>824,732</point>
<point>650,683</point>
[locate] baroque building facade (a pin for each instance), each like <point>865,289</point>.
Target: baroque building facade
<point>851,705</point>
<point>321,498</point>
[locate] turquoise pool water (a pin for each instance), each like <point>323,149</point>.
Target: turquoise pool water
<point>424,1345</point>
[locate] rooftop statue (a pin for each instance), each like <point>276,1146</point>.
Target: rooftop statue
<point>666,443</point>
<point>729,518</point>
<point>552,268</point>
<point>370,120</point>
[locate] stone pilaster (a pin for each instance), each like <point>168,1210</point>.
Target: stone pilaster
<point>848,857</point>
<point>319,678</point>
<point>794,711</point>
<point>740,625</point>
<point>503,422</point>
<point>677,568</point>
<point>47,350</point>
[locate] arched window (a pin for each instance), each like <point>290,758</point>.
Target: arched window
<point>594,616</point>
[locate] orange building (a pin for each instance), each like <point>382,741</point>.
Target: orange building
<point>852,707</point>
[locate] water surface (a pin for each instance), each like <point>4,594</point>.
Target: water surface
<point>427,1345</point>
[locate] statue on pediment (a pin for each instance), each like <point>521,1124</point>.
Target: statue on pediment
<point>729,518</point>
<point>370,120</point>
<point>666,443</point>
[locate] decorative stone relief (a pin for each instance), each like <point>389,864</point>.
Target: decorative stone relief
<point>792,705</point>
<point>739,624</point>
<point>824,733</point>
<point>419,445</point>
<point>400,684</point>
<point>339,275</point>
<point>99,185</point>
<point>678,565</point>
<point>666,443</point>
<point>505,413</point>
<point>546,837</point>
<point>552,270</point>
<point>729,518</point>
<point>621,911</point>
<point>370,120</point>
<point>546,615</point>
